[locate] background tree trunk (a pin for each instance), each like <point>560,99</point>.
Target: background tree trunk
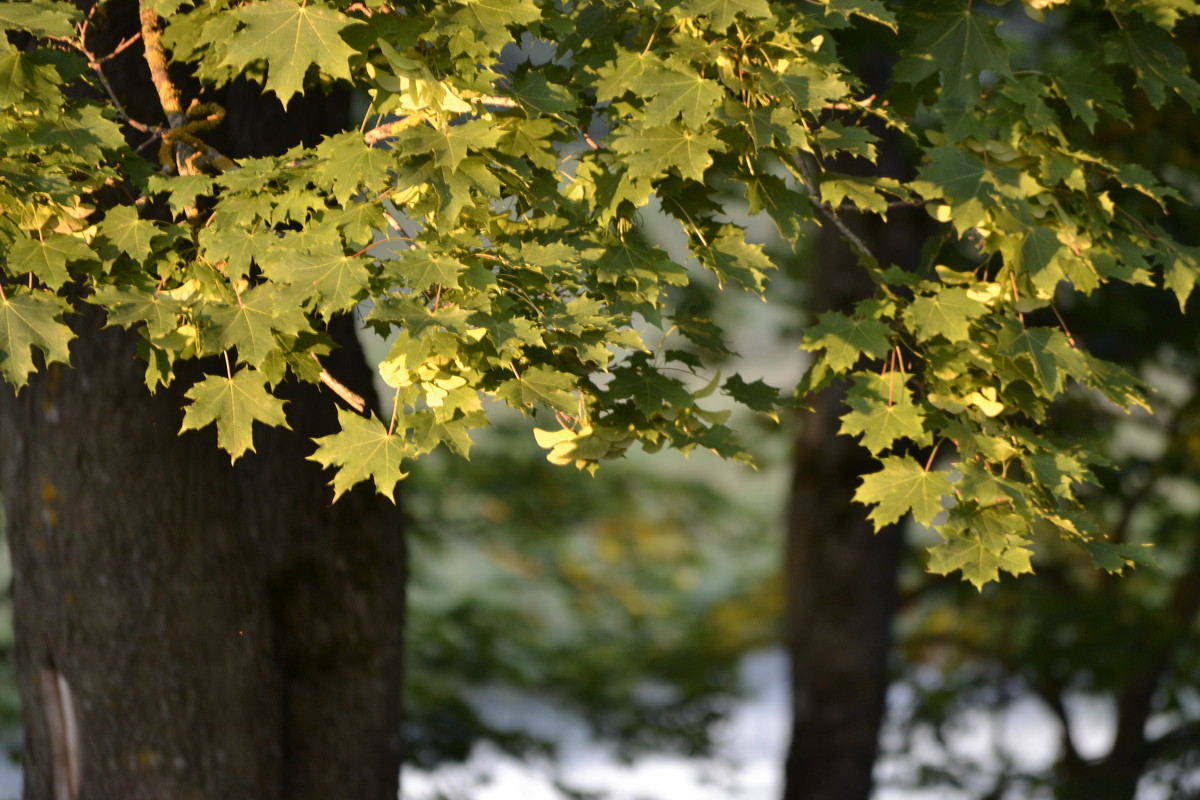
<point>841,575</point>
<point>841,579</point>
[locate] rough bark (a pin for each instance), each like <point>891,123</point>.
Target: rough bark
<point>841,575</point>
<point>184,628</point>
<point>220,632</point>
<point>841,586</point>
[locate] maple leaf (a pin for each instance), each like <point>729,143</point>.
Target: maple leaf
<point>1181,271</point>
<point>25,81</point>
<point>421,270</point>
<point>730,256</point>
<point>959,42</point>
<point>40,17</point>
<point>962,179</point>
<point>679,91</point>
<point>129,305</point>
<point>47,258</point>
<point>948,313</point>
<point>491,18</point>
<point>902,486</point>
<point>757,395</point>
<point>540,96</point>
<point>362,450</point>
<point>245,325</point>
<point>29,320</point>
<point>643,264</point>
<point>235,404</point>
<point>541,385</point>
<point>347,162</point>
<point>786,207</point>
<point>845,339</point>
<point>291,37</point>
<point>724,12</point>
<point>127,232</point>
<point>338,281</point>
<point>979,564</point>
<point>451,147</point>
<point>649,389</point>
<point>622,74</point>
<point>652,151</point>
<point>1043,356</point>
<point>1116,557</point>
<point>881,423</point>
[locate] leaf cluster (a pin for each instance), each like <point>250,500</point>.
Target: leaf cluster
<point>486,218</point>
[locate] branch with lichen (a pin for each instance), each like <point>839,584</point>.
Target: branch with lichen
<point>180,145</point>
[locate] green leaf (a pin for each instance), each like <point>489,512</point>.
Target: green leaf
<point>757,395</point>
<point>540,96</point>
<point>421,270</point>
<point>958,42</point>
<point>650,389</point>
<point>845,339</point>
<point>246,325</point>
<point>883,413</point>
<point>1116,557</point>
<point>679,91</point>
<point>902,486</point>
<point>235,404</point>
<point>807,85</point>
<point>787,208</point>
<point>490,19</point>
<point>961,178</point>
<point>653,151</point>
<point>948,313</point>
<point>29,320</point>
<point>127,232</point>
<point>724,12</point>
<point>84,131</point>
<point>1180,272</point>
<point>1157,62</point>
<point>129,305</point>
<point>291,37</point>
<point>23,81</point>
<point>979,564</point>
<point>451,147</point>
<point>540,385</point>
<point>40,17</point>
<point>731,257</point>
<point>1043,356</point>
<point>338,281</point>
<point>47,258</point>
<point>362,450</point>
<point>874,10</point>
<point>347,162</point>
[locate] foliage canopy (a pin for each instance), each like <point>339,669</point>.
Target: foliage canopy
<point>487,207</point>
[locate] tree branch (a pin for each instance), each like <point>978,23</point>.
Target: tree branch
<point>813,190</point>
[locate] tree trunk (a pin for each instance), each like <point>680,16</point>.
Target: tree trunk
<point>841,588</point>
<point>841,575</point>
<point>186,629</point>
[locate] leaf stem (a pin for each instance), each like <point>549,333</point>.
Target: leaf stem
<point>395,413</point>
<point>933,454</point>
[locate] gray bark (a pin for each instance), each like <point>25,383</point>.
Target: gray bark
<point>207,631</point>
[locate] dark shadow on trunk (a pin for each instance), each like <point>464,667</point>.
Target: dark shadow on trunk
<point>187,629</point>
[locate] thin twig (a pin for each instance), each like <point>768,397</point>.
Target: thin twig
<point>814,194</point>
<point>353,400</point>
